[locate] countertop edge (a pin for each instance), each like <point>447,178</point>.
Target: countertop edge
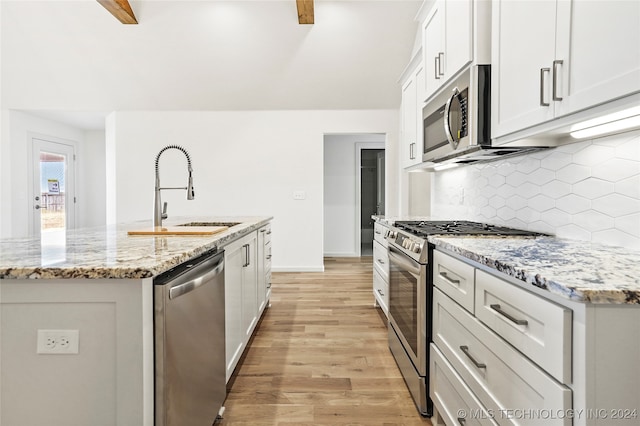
<point>79,271</point>
<point>535,278</point>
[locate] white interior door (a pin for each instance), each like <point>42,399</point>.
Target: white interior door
<point>53,193</point>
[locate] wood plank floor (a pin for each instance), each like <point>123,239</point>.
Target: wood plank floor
<point>320,356</point>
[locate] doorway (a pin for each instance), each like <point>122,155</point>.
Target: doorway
<point>372,195</point>
<point>53,189</point>
<point>344,214</point>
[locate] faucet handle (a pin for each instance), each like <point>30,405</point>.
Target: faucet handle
<point>164,210</point>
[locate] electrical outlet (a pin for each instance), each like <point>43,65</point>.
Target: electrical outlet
<point>299,195</point>
<point>58,341</point>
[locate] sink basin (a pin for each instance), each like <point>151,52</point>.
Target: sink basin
<point>228,224</point>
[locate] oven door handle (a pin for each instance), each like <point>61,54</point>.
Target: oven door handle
<point>396,257</point>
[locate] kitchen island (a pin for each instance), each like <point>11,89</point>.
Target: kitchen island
<point>98,281</point>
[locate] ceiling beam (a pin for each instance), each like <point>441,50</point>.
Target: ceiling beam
<point>305,11</point>
<point>120,9</point>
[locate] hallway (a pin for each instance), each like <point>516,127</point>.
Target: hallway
<point>320,356</point>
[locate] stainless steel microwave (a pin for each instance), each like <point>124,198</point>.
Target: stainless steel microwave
<point>458,120</point>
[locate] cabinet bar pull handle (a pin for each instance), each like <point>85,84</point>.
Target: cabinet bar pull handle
<point>380,292</point>
<point>440,60</point>
<point>437,67</point>
<point>542,71</point>
<point>508,316</point>
<point>555,79</point>
<point>451,280</point>
<point>381,261</point>
<point>465,350</point>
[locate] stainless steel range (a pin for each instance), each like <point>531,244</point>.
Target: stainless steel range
<point>410,293</point>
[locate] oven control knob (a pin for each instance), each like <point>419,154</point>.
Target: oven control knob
<point>416,248</point>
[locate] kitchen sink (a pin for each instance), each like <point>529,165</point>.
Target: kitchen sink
<point>228,224</point>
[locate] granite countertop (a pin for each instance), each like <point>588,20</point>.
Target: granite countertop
<point>576,270</point>
<point>109,252</point>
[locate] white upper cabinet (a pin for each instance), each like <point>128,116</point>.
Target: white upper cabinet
<point>446,41</point>
<point>411,113</point>
<point>599,41</point>
<point>553,58</point>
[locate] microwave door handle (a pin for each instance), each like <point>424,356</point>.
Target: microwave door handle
<point>447,113</point>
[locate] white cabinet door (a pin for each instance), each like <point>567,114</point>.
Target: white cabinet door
<point>409,117</point>
<point>433,48</point>
<point>447,42</point>
<point>249,286</point>
<point>458,24</point>
<point>234,335</point>
<point>523,51</point>
<point>241,296</point>
<point>599,44</point>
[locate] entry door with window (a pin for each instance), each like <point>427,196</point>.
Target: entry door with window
<point>53,188</point>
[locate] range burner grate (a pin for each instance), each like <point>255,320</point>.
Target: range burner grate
<point>425,228</point>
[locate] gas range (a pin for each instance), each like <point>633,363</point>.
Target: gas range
<point>411,236</point>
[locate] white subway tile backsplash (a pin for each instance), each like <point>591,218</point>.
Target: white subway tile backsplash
<point>593,188</point>
<point>573,203</point>
<point>616,205</point>
<point>593,154</point>
<point>573,173</point>
<point>586,190</point>
<point>556,189</point>
<point>541,203</point>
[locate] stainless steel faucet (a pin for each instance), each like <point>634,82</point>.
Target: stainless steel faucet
<point>158,215</point>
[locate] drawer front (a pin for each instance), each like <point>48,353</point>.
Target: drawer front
<point>454,401</point>
<point>538,328</point>
<point>267,257</point>
<point>381,260</point>
<point>502,378</point>
<point>267,234</point>
<point>379,233</point>
<point>381,291</point>
<point>455,278</point>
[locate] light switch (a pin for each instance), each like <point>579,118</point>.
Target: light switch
<point>299,195</point>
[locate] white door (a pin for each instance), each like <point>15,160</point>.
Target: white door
<point>53,193</point>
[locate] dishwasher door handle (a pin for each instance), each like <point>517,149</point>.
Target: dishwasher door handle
<point>191,285</point>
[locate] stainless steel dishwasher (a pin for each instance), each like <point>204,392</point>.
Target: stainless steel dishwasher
<point>189,342</point>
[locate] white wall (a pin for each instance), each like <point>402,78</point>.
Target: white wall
<point>585,190</point>
<point>91,183</point>
<point>15,146</point>
<point>340,196</point>
<point>245,163</point>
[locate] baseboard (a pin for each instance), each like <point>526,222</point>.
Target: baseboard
<point>349,254</point>
<point>297,269</point>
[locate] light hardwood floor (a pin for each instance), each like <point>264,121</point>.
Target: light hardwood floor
<point>320,356</point>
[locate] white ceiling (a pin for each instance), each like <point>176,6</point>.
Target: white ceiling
<point>70,56</point>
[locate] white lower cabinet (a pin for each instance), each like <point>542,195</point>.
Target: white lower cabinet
<point>457,404</point>
<point>241,297</point>
<point>505,352</point>
<point>501,377</point>
<point>381,268</point>
<point>538,328</point>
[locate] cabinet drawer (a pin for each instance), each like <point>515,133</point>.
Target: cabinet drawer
<point>266,230</point>
<point>381,260</point>
<point>379,233</point>
<point>452,397</point>
<point>501,377</point>
<point>538,328</point>
<point>381,291</point>
<point>455,278</point>
<point>267,257</point>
